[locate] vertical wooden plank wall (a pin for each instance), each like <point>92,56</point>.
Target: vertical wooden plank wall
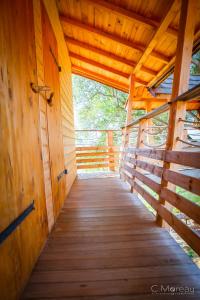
<point>23,144</point>
<point>66,95</point>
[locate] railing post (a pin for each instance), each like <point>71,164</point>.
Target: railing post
<point>180,82</point>
<point>139,144</point>
<point>111,150</point>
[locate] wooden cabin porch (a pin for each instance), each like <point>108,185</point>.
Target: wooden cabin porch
<point>66,238</point>
<point>106,245</point>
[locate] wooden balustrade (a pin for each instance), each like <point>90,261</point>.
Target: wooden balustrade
<point>157,174</point>
<point>148,176</point>
<point>98,157</point>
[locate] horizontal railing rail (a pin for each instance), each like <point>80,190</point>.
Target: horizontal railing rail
<point>187,96</point>
<point>102,151</point>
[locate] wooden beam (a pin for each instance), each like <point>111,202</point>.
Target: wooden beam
<point>182,63</point>
<point>140,99</point>
<point>100,51</point>
<point>109,55</point>
<point>104,67</point>
<point>113,37</point>
<point>98,65</point>
<point>130,15</point>
<point>91,29</point>
<point>168,69</point>
<point>173,7</point>
<point>99,78</point>
<point>180,84</point>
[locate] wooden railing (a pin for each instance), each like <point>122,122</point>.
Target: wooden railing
<point>145,178</point>
<point>98,152</point>
<point>163,173</point>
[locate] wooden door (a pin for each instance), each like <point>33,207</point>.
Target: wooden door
<point>51,79</point>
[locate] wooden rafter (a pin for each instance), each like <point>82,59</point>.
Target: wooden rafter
<point>170,65</point>
<point>113,37</point>
<point>98,65</point>
<point>173,7</point>
<point>99,78</point>
<point>130,15</point>
<point>109,55</point>
<point>104,67</point>
<point>137,99</point>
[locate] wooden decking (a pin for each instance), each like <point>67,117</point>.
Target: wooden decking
<point>106,246</point>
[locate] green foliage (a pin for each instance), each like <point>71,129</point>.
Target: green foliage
<point>97,106</point>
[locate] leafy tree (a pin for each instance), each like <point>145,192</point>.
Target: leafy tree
<point>97,106</point>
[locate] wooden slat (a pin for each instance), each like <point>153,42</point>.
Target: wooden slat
<point>86,160</point>
<point>95,148</point>
<point>153,169</point>
<point>86,148</point>
<point>191,159</point>
<point>97,154</point>
<point>144,179</point>
<point>186,206</point>
<point>189,183</point>
<point>95,166</point>
<point>149,182</point>
<point>181,228</point>
<point>151,153</point>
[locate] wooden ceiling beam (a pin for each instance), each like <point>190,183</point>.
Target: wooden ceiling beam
<point>109,55</point>
<point>172,10</point>
<point>104,67</point>
<point>131,15</point>
<point>99,51</point>
<point>150,99</point>
<point>112,37</point>
<point>98,65</point>
<point>99,78</point>
<point>168,69</point>
<point>91,29</point>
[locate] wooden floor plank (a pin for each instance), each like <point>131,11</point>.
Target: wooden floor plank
<point>106,246</point>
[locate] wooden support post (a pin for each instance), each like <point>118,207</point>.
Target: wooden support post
<point>129,107</point>
<point>111,150</point>
<point>150,138</point>
<point>126,131</point>
<point>181,80</point>
<point>128,120</point>
<point>139,144</point>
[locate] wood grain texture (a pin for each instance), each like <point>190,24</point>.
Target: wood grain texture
<point>137,32</point>
<point>54,117</point>
<point>21,173</point>
<point>23,136</point>
<point>107,246</point>
<point>67,114</point>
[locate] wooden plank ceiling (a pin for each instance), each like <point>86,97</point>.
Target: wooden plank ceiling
<point>109,40</point>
